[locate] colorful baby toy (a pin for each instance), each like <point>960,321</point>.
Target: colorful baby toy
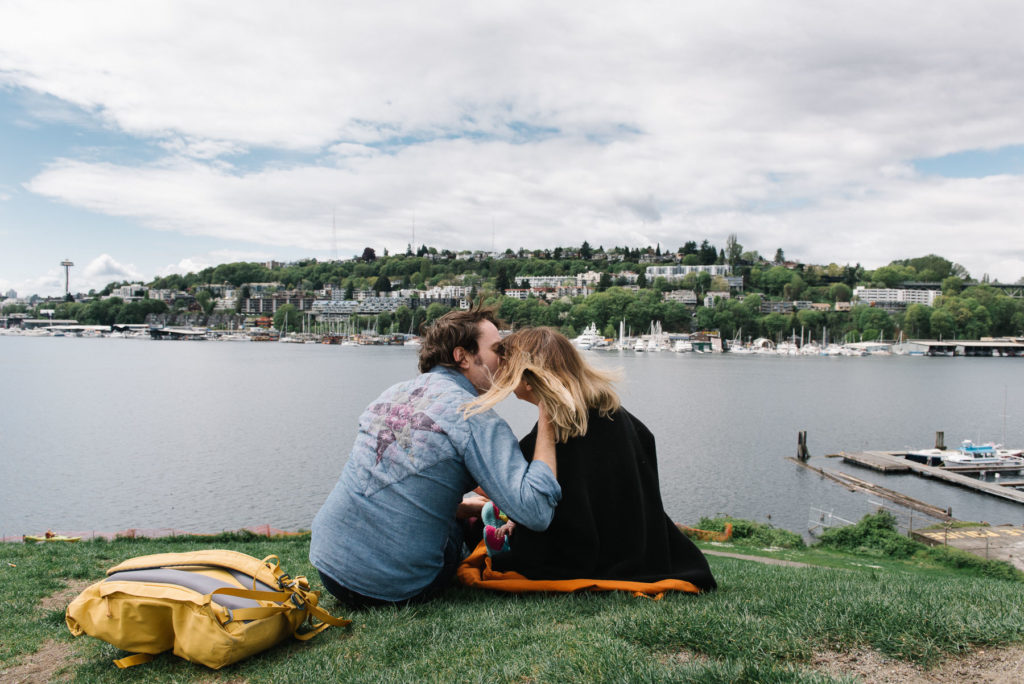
<point>497,528</point>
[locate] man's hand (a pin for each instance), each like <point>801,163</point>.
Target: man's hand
<point>470,508</point>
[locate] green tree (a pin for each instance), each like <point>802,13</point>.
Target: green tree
<point>774,324</point>
<point>708,253</point>
<point>872,322</point>
<point>810,319</point>
<point>733,250</point>
<point>892,275</point>
<point>287,314</point>
<point>952,285</point>
<point>702,283</point>
<point>435,311</point>
<point>930,268</point>
<point>205,301</point>
<point>917,320</point>
<point>775,279</point>
<point>942,324</point>
<point>794,288</point>
<point>501,281</point>
<point>840,292</point>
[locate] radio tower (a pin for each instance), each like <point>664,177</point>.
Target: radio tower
<point>67,264</point>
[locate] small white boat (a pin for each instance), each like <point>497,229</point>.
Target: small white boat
<point>683,346</point>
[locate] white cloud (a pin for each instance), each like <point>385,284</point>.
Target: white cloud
<point>201,149</point>
<point>197,263</point>
<point>793,126</point>
<point>106,268</point>
<point>94,275</point>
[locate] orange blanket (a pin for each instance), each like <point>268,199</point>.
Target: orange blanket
<point>476,571</point>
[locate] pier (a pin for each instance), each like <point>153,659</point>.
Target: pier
<point>984,347</point>
<point>894,462</point>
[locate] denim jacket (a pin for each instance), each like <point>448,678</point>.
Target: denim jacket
<point>383,528</point>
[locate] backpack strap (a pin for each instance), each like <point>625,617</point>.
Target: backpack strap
<point>133,660</point>
<point>296,594</point>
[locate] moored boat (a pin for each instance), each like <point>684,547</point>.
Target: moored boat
<point>589,338</point>
<point>970,453</point>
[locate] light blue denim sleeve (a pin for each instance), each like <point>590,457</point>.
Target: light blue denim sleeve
<point>526,491</point>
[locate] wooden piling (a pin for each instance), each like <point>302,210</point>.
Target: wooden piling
<point>801,446</point>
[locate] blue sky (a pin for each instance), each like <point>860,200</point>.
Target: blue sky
<point>144,140</point>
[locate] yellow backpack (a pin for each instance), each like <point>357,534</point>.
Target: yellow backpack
<point>213,607</point>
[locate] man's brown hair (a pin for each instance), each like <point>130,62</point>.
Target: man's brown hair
<point>454,329</point>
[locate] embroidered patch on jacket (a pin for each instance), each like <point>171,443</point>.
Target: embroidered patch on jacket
<point>396,420</point>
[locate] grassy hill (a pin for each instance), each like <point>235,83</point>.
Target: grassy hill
<point>766,623</point>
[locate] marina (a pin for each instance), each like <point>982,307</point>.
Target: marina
<point>896,462</point>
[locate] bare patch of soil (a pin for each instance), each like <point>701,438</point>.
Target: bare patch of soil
<point>52,656</point>
<point>60,599</point>
<point>41,666</point>
<point>989,666</point>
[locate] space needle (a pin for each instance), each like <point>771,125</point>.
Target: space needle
<point>67,264</point>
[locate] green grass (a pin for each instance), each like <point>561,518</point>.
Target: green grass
<point>762,625</point>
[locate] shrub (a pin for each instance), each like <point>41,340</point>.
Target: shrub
<point>754,533</point>
<point>957,558</point>
<point>873,534</point>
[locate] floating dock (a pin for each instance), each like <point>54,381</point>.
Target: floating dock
<point>894,462</point>
<point>852,483</point>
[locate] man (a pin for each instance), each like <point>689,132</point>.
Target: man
<point>388,531</point>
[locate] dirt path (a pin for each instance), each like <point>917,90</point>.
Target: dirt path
<point>759,559</point>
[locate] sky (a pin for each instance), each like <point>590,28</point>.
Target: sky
<point>143,139</point>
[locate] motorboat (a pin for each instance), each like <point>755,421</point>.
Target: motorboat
<point>589,338</point>
<point>970,453</point>
<point>683,346</point>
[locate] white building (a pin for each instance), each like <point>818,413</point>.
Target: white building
<point>548,281</point>
<point>448,292</point>
<point>687,297</point>
<point>710,297</point>
<point>892,295</point>
<point>588,278</point>
<point>130,292</point>
<point>678,271</point>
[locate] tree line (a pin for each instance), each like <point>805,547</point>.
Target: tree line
<point>967,309</point>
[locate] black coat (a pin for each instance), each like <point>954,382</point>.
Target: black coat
<point>610,523</point>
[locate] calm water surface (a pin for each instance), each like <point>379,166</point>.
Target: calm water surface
<point>109,434</point>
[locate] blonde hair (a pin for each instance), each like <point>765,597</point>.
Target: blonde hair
<point>566,385</point>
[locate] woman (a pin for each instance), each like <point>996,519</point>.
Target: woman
<point>610,523</point>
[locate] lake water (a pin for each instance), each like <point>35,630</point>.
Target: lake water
<point>109,434</point>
